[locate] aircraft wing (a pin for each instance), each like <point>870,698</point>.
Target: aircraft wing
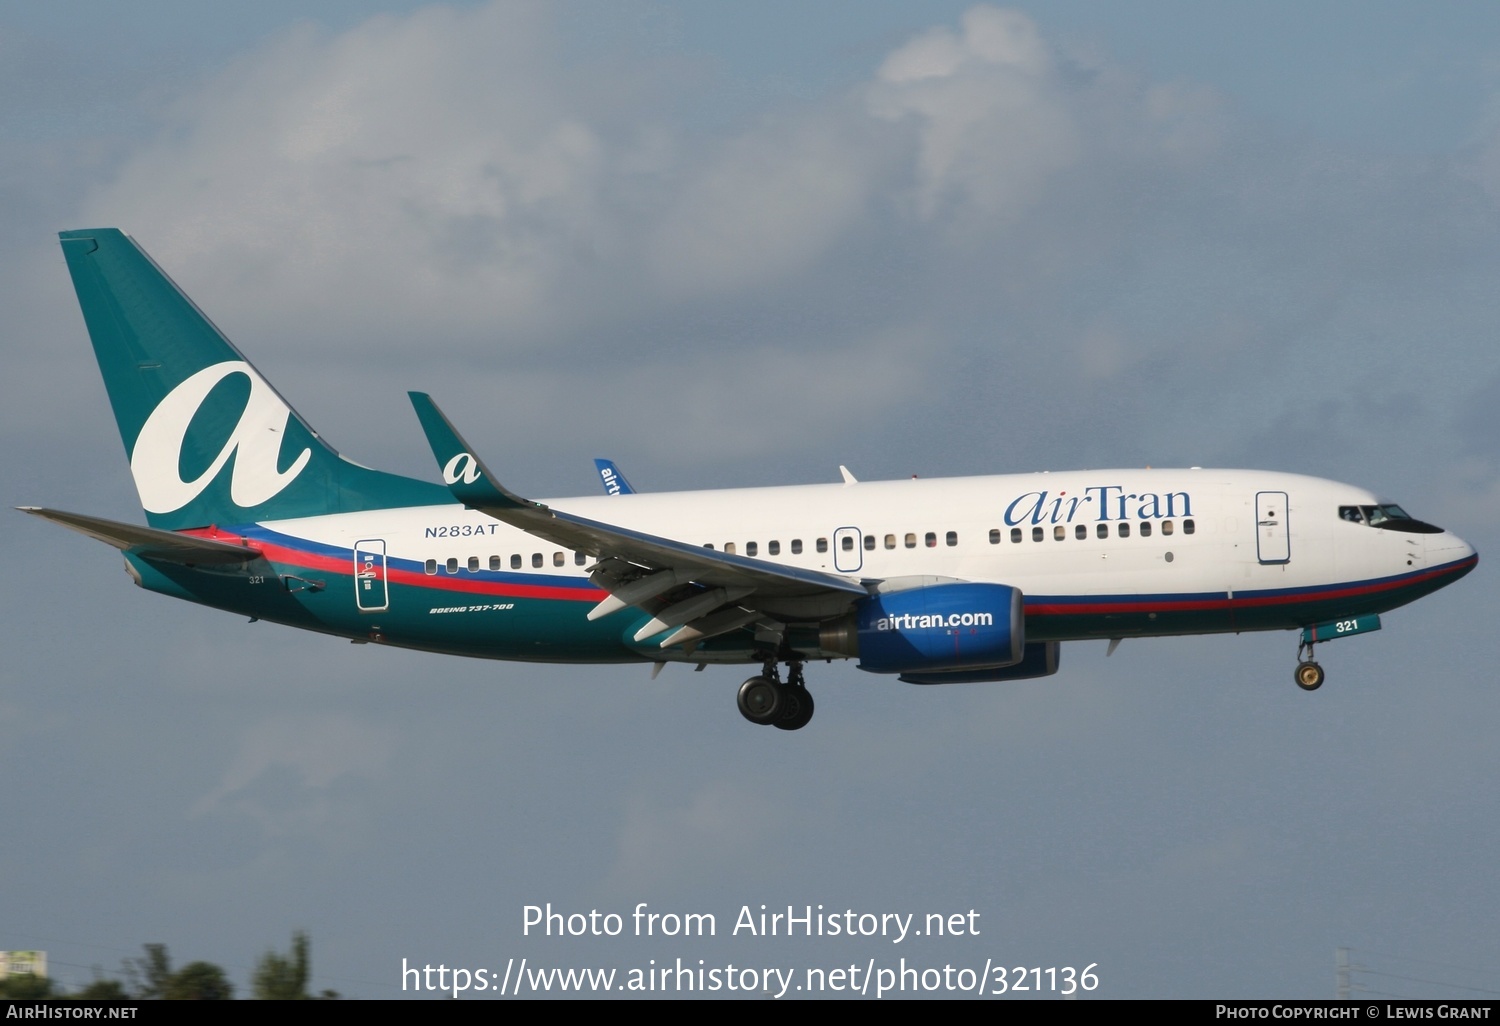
<point>149,542</point>
<point>700,591</point>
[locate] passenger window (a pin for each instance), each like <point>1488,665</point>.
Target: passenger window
<point>452,565</point>
<point>515,561</point>
<point>1037,534</point>
<point>796,546</point>
<point>773,548</point>
<point>752,549</point>
<point>1124,529</point>
<point>1166,527</point>
<point>494,562</point>
<point>708,545</point>
<point>1145,528</point>
<point>536,559</point>
<point>994,536</point>
<point>869,543</point>
<point>1015,534</point>
<point>729,547</point>
<point>1081,532</point>
<point>1059,533</point>
<point>931,539</point>
<point>473,564</point>
<point>911,541</point>
<point>822,544</point>
<point>890,541</point>
<point>430,566</point>
<point>1102,531</point>
<point>1187,527</point>
<point>557,559</point>
<point>848,543</point>
<point>580,558</point>
<point>952,538</point>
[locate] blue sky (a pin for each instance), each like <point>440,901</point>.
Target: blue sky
<point>745,244</point>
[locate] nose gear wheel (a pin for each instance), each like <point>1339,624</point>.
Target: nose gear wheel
<point>1309,675</point>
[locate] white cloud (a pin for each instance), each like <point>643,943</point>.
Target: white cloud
<point>994,120</point>
<point>437,158</point>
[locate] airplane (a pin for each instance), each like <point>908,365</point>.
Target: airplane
<point>609,475</point>
<point>934,581</point>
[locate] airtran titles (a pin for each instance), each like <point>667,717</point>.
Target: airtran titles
<point>1099,502</point>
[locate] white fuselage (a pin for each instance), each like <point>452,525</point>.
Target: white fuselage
<point>1132,534</point>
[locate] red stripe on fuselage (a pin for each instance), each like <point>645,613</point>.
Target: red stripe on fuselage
<point>1146,605</point>
<point>334,565</point>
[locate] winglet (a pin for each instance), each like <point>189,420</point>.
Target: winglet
<point>614,481</point>
<point>464,473</point>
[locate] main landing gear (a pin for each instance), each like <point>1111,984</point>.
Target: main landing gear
<point>1309,675</point>
<point>766,701</point>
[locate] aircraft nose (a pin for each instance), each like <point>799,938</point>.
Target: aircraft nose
<point>1450,548</point>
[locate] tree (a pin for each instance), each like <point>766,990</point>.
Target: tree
<point>25,987</point>
<point>152,977</point>
<point>284,978</point>
<point>149,976</point>
<point>198,981</point>
<point>102,990</point>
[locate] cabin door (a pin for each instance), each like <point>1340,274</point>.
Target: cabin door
<point>1272,543</point>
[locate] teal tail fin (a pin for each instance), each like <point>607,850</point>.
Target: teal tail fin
<point>209,440</point>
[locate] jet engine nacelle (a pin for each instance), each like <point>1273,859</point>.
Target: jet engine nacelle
<point>959,626</point>
<point>1040,660</point>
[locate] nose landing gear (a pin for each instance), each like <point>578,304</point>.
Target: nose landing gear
<point>1309,675</point>
<point>766,701</point>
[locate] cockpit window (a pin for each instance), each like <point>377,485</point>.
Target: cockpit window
<point>1388,517</point>
<point>1378,515</point>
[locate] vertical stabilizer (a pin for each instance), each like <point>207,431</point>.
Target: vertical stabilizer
<point>209,440</point>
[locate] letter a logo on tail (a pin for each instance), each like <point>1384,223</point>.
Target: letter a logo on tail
<point>464,466</point>
<point>254,444</point>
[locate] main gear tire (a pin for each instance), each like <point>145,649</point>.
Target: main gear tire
<point>797,711</point>
<point>761,701</point>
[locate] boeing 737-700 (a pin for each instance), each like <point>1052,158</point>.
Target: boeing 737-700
<point>936,581</point>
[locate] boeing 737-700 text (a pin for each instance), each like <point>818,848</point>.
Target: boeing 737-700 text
<point>937,581</point>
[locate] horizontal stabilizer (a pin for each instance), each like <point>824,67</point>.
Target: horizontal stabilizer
<point>149,542</point>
